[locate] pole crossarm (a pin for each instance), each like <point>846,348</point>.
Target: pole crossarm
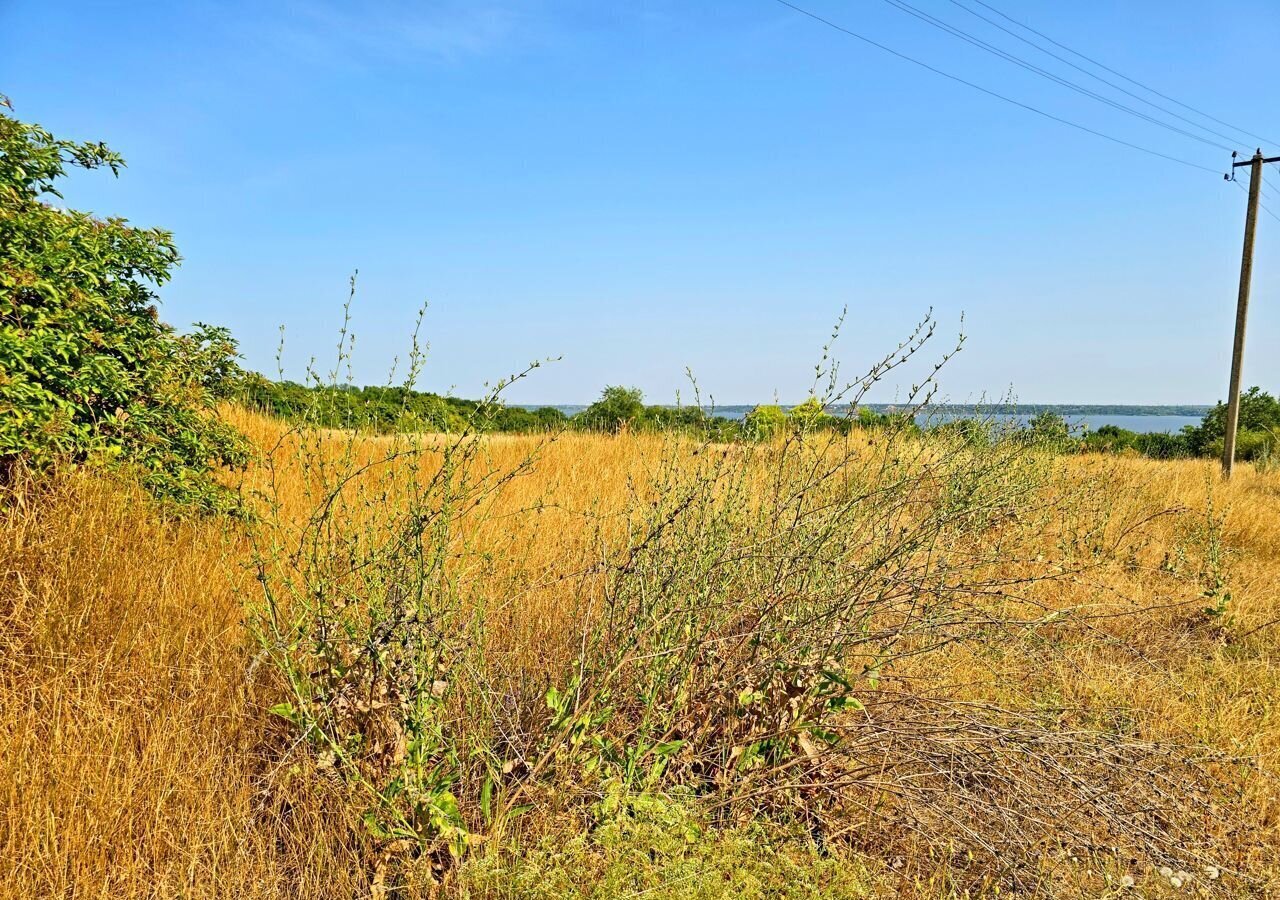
<point>1249,162</point>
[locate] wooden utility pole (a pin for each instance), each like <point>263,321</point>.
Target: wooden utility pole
<point>1242,309</point>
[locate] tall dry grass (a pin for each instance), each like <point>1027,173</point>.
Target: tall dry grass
<point>132,737</point>
<point>138,756</point>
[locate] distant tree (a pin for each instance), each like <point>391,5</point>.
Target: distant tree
<point>1048,429</point>
<point>811,415</point>
<point>679,417</point>
<point>869,418</point>
<point>1159,445</point>
<point>519,419</point>
<point>976,432</point>
<point>1109,439</point>
<point>1256,444</point>
<point>88,372</point>
<point>548,418</point>
<point>764,422</point>
<point>1259,412</point>
<point>616,408</point>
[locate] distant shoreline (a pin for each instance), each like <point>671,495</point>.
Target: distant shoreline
<point>950,409</point>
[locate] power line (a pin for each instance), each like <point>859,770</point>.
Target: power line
<point>1263,188</point>
<point>1133,81</point>
<point>989,92</point>
<point>1260,203</point>
<point>963,35</point>
<point>1096,77</point>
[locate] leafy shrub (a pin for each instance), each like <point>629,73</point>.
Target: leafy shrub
<point>518,419</point>
<point>868,418</point>
<point>617,408</point>
<point>753,629</point>
<point>88,372</point>
<point>1251,445</point>
<point>1049,430</point>
<point>764,422</point>
<point>811,415</point>
<point>674,417</point>
<point>654,846</point>
<point>1109,439</point>
<point>1259,411</point>
<point>385,409</point>
<point>621,408</point>
<point>1159,445</point>
<point>974,432</point>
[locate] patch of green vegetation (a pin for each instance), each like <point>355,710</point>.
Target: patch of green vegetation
<point>390,409</point>
<point>1256,441</point>
<point>654,847</point>
<point>764,422</point>
<point>88,372</point>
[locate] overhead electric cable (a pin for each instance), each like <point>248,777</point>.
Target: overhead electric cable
<point>965,36</point>
<point>1134,81</point>
<point>1111,84</point>
<point>989,92</point>
<point>1260,203</point>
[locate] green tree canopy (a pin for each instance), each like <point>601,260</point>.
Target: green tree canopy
<point>1259,428</point>
<point>811,415</point>
<point>617,407</point>
<point>1048,429</point>
<point>88,372</point>
<point>1259,411</point>
<point>763,422</point>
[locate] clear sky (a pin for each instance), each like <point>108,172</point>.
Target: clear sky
<point>642,186</point>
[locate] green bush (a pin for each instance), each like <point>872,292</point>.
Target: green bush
<point>869,418</point>
<point>1251,445</point>
<point>974,432</point>
<point>1049,430</point>
<point>811,415</point>
<point>616,408</point>
<point>519,419</point>
<point>389,409</point>
<point>1109,439</point>
<point>382,409</point>
<point>1159,445</point>
<point>663,418</point>
<point>88,372</point>
<point>656,846</point>
<point>1259,411</point>
<point>764,422</point>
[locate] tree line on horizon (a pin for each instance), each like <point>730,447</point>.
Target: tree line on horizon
<point>90,374</point>
<point>395,408</point>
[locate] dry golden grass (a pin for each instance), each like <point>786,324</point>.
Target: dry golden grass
<point>131,739</point>
<point>134,742</point>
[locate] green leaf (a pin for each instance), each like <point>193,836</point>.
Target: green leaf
<point>374,827</point>
<point>667,749</point>
<point>285,711</point>
<point>446,805</point>
<point>486,799</point>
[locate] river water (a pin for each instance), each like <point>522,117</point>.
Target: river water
<point>1146,421</point>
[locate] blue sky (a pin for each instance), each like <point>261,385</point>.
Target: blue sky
<point>641,187</point>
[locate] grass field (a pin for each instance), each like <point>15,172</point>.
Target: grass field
<point>1052,675</point>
